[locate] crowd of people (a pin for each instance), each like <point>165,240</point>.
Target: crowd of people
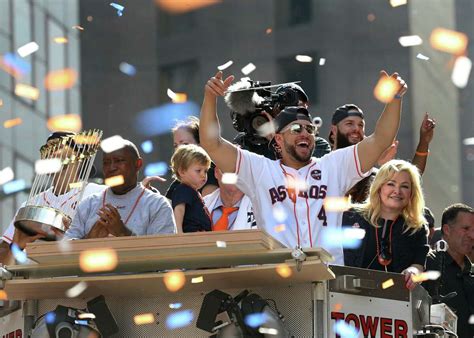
<point>290,188</point>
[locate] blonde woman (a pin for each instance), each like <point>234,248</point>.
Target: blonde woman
<point>396,238</point>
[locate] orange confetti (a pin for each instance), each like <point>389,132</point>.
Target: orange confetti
<point>268,31</point>
<point>284,270</point>
<point>174,280</point>
<point>26,91</point>
<point>388,283</point>
<point>449,41</point>
<point>337,307</point>
<point>67,122</point>
<point>12,123</point>
<point>336,204</point>
<point>145,318</point>
<point>176,7</point>
<point>60,79</point>
<point>60,40</point>
<point>280,228</point>
<point>386,89</point>
<point>1,102</point>
<point>96,260</point>
<point>3,295</point>
<point>114,181</point>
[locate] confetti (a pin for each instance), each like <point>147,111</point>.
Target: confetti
<point>6,175</point>
<point>127,69</point>
<point>64,245</point>
<point>177,97</point>
<point>229,178</point>
<point>14,186</point>
<point>410,40</point>
<point>76,290</point>
<point>303,58</point>
<point>296,184</point>
<point>28,49</point>
<point>248,69</point>
<point>26,91</point>
<point>145,318</point>
<point>347,237</point>
<point>86,316</point>
<point>468,141</point>
<point>147,147</point>
<point>118,7</point>
<point>322,61</point>
<point>396,3</point>
<point>337,307</point>
<point>427,275</point>
<point>67,122</point>
<point>177,7</point>
<point>78,27</point>
<point>60,40</point>
<point>280,228</point>
<point>156,169</point>
<point>279,213</point>
<point>50,317</point>
<point>449,41</point>
<point>256,319</point>
<point>345,330</point>
<point>225,65</point>
<point>48,166</point>
<point>174,280</point>
<point>60,79</point>
<point>114,181</point>
<point>371,17</point>
<point>461,71</point>
<point>113,143</point>
<point>90,18</point>
<point>388,284</point>
<point>268,31</point>
<point>86,139</point>
<point>96,260</point>
<point>179,319</point>
<point>221,244</point>
<point>175,306</point>
<point>19,255</point>
<point>386,89</point>
<point>197,280</point>
<point>3,295</point>
<point>284,270</point>
<point>15,65</point>
<point>1,102</point>
<point>337,204</point>
<point>266,129</point>
<point>268,330</point>
<point>422,57</point>
<point>12,123</point>
<point>470,321</point>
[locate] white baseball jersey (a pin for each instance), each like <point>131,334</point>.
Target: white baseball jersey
<point>277,200</point>
<point>47,198</point>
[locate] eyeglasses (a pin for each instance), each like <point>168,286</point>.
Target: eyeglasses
<point>297,128</point>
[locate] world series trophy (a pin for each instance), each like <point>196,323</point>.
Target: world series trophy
<point>54,195</point>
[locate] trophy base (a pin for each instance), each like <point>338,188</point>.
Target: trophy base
<point>34,220</point>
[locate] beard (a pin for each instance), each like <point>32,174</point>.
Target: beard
<point>342,140</point>
<point>291,149</point>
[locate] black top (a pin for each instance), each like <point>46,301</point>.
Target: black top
<point>454,279</point>
<point>195,215</point>
<point>407,248</point>
<point>211,179</point>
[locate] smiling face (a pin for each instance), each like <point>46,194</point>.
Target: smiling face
<point>296,144</point>
<point>122,162</point>
<point>395,194</point>
<point>349,131</point>
<point>195,175</point>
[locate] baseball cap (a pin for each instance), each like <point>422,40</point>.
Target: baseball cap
<point>429,217</point>
<point>302,95</point>
<point>290,114</point>
<point>345,111</point>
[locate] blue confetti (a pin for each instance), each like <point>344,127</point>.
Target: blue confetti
<point>175,305</point>
<point>256,319</point>
<point>147,147</point>
<point>50,317</point>
<point>118,7</point>
<point>348,237</point>
<point>156,169</point>
<point>127,69</point>
<point>20,255</point>
<point>81,322</point>
<point>16,63</point>
<point>14,186</point>
<point>179,319</point>
<point>345,330</point>
<point>160,120</point>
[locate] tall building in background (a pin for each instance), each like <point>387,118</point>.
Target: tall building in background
<point>180,51</point>
<point>40,21</point>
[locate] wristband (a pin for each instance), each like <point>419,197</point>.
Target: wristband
<point>397,96</point>
<point>420,153</point>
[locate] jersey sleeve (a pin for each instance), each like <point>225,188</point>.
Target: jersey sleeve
<point>183,194</point>
<point>345,163</point>
<point>10,231</point>
<point>249,169</point>
<point>77,230</point>
<point>162,220</point>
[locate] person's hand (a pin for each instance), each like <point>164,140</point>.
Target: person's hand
<point>216,86</point>
<point>427,130</point>
<point>409,272</point>
<point>98,230</point>
<point>149,179</point>
<point>388,154</point>
<point>402,86</point>
<point>112,220</point>
<point>22,239</point>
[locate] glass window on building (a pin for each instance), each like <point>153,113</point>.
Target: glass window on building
<point>293,12</point>
<point>182,78</point>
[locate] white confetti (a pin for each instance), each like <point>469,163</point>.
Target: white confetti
<point>221,244</point>
<point>76,290</point>
<point>225,65</point>
<point>266,129</point>
<point>112,144</point>
<point>197,280</point>
<point>422,57</point>
<point>47,166</point>
<point>6,175</point>
<point>279,213</point>
<point>322,61</point>
<point>248,69</point>
<point>28,49</point>
<point>471,320</point>
<point>468,141</point>
<point>410,40</point>
<point>229,178</point>
<point>266,330</point>
<point>461,71</point>
<point>396,3</point>
<point>303,58</point>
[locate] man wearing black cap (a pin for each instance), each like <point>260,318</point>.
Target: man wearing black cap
<point>348,126</point>
<point>291,191</point>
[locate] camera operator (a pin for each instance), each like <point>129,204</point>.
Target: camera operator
<point>256,106</point>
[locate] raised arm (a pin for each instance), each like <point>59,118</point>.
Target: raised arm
<point>370,149</point>
<point>426,136</point>
<point>222,152</point>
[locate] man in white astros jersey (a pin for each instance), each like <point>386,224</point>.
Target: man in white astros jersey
<point>291,191</point>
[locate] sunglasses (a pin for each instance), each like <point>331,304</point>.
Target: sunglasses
<point>297,128</point>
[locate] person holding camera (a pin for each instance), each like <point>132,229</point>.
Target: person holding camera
<point>293,188</point>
